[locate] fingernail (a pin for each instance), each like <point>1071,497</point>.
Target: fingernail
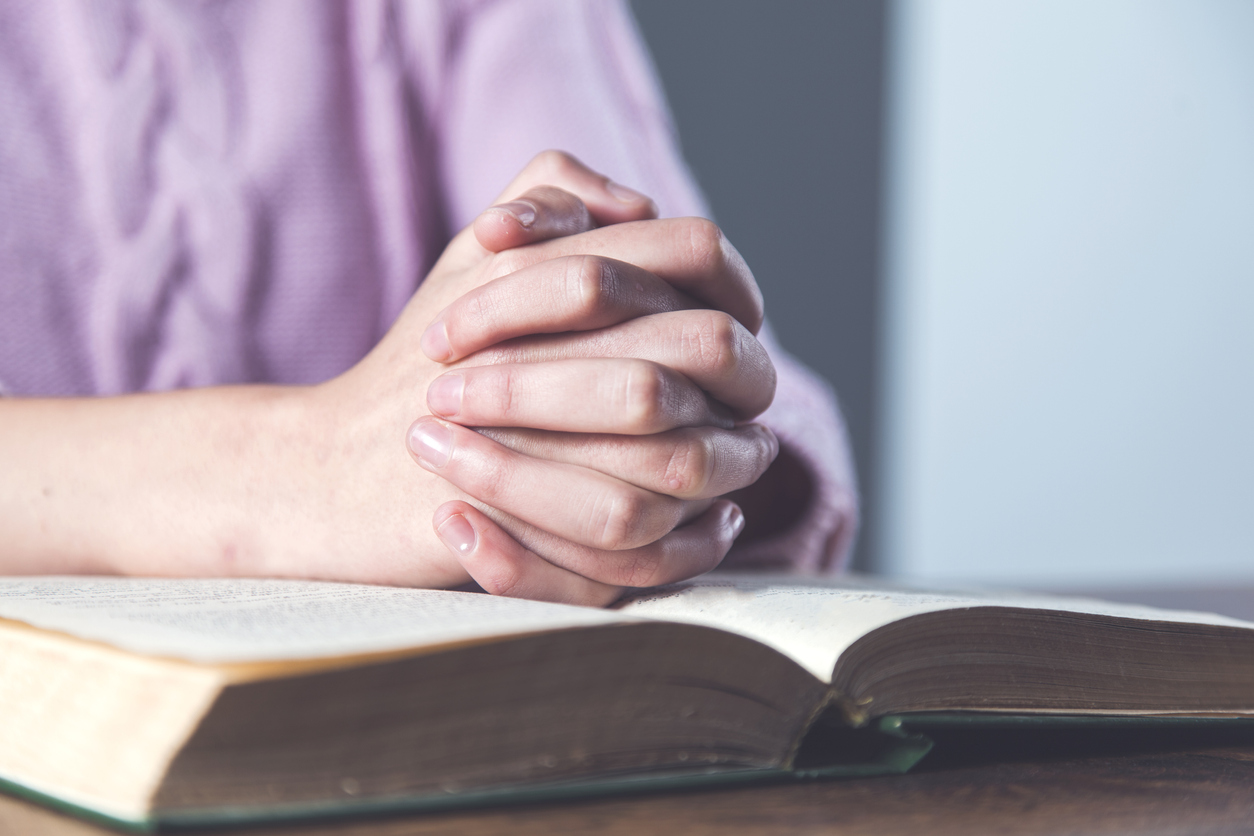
<point>434,341</point>
<point>444,395</point>
<point>522,211</point>
<point>621,192</point>
<point>737,521</point>
<point>431,441</point>
<point>458,534</point>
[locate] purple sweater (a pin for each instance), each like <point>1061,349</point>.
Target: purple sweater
<point>220,192</point>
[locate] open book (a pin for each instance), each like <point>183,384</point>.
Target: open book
<point>151,702</point>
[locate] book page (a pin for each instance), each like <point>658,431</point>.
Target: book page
<point>235,620</point>
<point>813,620</point>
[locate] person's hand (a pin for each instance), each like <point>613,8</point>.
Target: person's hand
<point>642,387</point>
<point>316,482</point>
<point>668,456</point>
<point>595,531</point>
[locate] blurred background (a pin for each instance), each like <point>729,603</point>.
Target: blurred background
<point>1018,239</point>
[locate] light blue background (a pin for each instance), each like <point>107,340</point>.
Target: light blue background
<point>1069,322</point>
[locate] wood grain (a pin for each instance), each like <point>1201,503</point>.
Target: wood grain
<point>1208,790</point>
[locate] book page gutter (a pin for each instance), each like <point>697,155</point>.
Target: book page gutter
<point>231,620</point>
<point>814,620</point>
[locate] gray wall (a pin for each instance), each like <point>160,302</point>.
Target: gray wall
<point>779,110</point>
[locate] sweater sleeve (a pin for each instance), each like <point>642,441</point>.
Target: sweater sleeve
<point>518,76</point>
<point>806,418</point>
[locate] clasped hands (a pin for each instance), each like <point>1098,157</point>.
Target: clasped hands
<point>584,378</point>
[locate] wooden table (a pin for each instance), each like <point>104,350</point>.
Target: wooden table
<point>1073,782</point>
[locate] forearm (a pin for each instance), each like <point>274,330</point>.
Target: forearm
<point>172,483</point>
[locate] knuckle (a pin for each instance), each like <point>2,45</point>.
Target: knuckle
<point>503,391</point>
<point>644,393</point>
<point>589,282</point>
<point>711,342</point>
<point>617,520</point>
<point>475,310</point>
<point>689,467</point>
<point>705,244</point>
<point>554,163</point>
<point>483,470</point>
